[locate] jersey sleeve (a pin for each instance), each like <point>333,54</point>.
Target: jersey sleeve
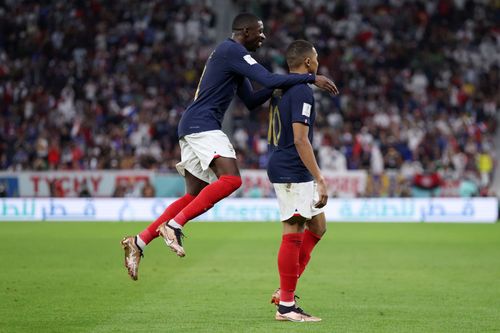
<point>301,104</point>
<point>252,98</point>
<point>241,62</point>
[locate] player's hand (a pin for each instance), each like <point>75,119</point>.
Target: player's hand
<point>326,84</point>
<point>323,196</point>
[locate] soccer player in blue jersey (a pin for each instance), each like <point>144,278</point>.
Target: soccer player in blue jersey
<point>300,187</point>
<point>208,160</point>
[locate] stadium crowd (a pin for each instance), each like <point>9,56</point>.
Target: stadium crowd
<point>102,84</point>
<point>419,84</point>
<point>98,84</point>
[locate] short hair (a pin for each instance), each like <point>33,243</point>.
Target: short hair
<point>243,20</point>
<point>297,51</point>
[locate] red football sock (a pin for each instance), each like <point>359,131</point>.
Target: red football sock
<point>288,265</point>
<point>308,244</point>
<point>208,197</point>
<point>173,209</point>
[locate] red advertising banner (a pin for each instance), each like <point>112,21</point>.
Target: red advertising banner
<point>347,184</point>
<point>82,183</point>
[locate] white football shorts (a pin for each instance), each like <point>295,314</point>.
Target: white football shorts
<point>199,149</point>
<point>297,199</point>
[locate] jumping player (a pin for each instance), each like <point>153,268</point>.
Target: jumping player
<point>300,187</point>
<point>208,160</point>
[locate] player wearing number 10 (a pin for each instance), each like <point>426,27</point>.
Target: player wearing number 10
<point>297,179</point>
<point>208,160</point>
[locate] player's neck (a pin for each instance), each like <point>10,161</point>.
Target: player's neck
<point>237,38</point>
<point>299,70</point>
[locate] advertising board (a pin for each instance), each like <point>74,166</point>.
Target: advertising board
<point>447,210</point>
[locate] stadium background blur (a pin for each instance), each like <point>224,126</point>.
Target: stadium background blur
<point>101,85</point>
<point>91,92</point>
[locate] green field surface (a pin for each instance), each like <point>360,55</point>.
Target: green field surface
<point>69,277</point>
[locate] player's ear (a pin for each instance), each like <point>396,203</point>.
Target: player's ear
<point>308,61</point>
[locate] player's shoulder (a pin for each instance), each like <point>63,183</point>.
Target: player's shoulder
<point>231,51</point>
<point>300,90</point>
<point>232,46</point>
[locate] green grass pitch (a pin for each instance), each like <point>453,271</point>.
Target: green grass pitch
<point>69,277</point>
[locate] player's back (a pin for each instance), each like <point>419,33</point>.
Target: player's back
<point>294,105</point>
<point>216,89</point>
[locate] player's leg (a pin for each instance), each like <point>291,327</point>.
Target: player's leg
<point>217,162</point>
<point>228,181</point>
<point>135,245</point>
<point>193,187</point>
<point>294,212</point>
<point>195,180</point>
<point>171,230</point>
<point>288,267</point>
<point>315,229</point>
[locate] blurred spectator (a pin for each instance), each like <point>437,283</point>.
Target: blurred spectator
<point>427,184</point>
<point>148,190</point>
<point>329,157</point>
<point>84,192</point>
<point>3,190</point>
<point>119,191</point>
<point>376,160</point>
<point>485,167</point>
<point>56,188</point>
<point>392,159</point>
<point>468,187</point>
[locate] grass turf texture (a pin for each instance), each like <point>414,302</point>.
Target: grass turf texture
<point>69,277</point>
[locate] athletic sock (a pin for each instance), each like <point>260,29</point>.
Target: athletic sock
<point>285,309</point>
<point>140,243</point>
<point>174,224</point>
<point>288,265</point>
<point>208,197</point>
<point>173,209</point>
<point>309,242</point>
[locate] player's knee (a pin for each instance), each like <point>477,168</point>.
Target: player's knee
<point>294,224</point>
<point>318,230</point>
<point>233,182</point>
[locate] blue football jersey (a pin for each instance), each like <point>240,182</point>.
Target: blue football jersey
<point>226,74</point>
<point>288,106</point>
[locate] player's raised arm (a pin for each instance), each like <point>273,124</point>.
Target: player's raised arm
<point>248,34</point>
<point>242,63</point>
<point>251,98</point>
